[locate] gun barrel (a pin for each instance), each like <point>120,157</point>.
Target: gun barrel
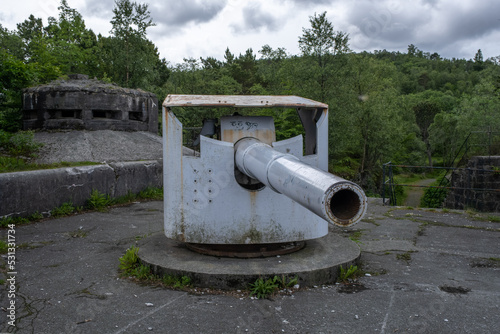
<point>334,199</point>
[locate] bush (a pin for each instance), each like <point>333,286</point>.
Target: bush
<point>22,144</point>
<point>10,120</point>
<point>98,201</point>
<point>64,210</point>
<point>434,197</point>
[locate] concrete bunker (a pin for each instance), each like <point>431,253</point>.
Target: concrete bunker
<point>80,103</point>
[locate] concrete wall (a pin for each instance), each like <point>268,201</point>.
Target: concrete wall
<point>24,193</point>
<point>481,173</point>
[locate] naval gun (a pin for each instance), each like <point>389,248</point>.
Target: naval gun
<point>244,189</point>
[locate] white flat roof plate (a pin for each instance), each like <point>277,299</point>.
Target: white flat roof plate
<point>264,101</point>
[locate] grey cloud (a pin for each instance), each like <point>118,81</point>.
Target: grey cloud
<point>432,25</point>
<point>181,12</point>
<point>312,2</point>
<point>475,21</point>
<point>98,8</point>
<point>255,19</point>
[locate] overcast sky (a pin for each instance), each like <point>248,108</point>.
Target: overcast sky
<point>203,28</point>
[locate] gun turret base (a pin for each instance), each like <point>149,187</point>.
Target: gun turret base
<point>247,251</point>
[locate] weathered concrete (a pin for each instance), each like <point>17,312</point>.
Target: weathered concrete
<point>317,263</point>
<point>24,193</point>
<point>97,146</point>
<point>80,103</point>
<point>431,272</point>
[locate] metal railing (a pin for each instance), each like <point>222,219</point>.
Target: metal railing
<point>389,185</point>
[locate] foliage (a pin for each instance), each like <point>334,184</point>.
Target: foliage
<point>131,266</point>
<point>142,272</point>
<point>15,148</point>
<point>151,193</point>
<point>10,120</point>
<point>176,282</point>
<point>355,236</point>
<point>406,257</point>
<point>405,107</point>
<point>20,144</point>
<point>264,288</point>
<point>320,39</point>
<point>98,201</point>
<point>5,221</point>
<point>434,197</point>
<point>129,261</point>
<point>348,274</point>
<point>65,209</point>
<point>3,247</point>
<point>129,56</point>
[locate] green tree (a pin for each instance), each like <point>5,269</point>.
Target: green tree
<point>37,51</point>
<point>320,40</point>
<point>321,44</point>
<point>478,60</point>
<point>33,36</point>
<point>11,43</point>
<point>368,120</point>
<point>130,22</point>
<point>425,112</point>
<point>71,43</point>
<point>269,69</point>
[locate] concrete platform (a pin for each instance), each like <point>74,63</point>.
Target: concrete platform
<point>317,263</point>
<point>429,271</point>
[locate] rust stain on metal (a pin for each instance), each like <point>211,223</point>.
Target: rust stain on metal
<point>232,136</point>
<point>246,251</point>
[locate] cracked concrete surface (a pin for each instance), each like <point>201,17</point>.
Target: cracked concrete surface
<point>449,281</point>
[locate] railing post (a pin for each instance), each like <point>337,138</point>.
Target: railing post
<point>383,184</point>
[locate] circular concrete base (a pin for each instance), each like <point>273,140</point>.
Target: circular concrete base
<point>317,263</point>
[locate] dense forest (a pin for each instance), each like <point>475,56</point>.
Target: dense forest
<point>413,108</point>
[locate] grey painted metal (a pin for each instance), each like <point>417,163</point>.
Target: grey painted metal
<point>311,187</point>
<point>205,203</point>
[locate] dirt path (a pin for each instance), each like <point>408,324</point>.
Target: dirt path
<point>416,193</point>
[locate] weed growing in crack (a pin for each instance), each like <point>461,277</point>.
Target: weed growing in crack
<point>348,274</point>
<point>129,260</point>
<point>355,236</point>
<point>131,267</point>
<point>78,233</point>
<point>262,288</point>
<point>404,257</point>
<point>176,282</point>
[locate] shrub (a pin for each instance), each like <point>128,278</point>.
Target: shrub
<point>10,119</point>
<point>20,144</point>
<point>129,261</point>
<point>434,197</point>
<point>64,210</point>
<point>98,201</point>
